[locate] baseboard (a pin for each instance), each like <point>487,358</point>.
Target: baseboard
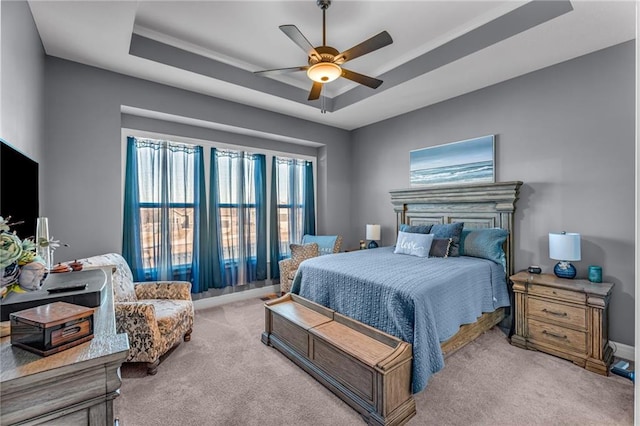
<point>210,302</point>
<point>623,351</point>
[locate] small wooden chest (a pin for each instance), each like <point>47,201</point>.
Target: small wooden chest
<point>49,329</point>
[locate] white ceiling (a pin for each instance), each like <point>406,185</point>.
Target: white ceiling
<point>245,34</point>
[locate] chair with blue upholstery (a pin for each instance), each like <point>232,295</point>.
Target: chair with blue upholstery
<point>312,246</point>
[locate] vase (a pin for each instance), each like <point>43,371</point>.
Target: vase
<point>42,242</point>
<point>595,274</point>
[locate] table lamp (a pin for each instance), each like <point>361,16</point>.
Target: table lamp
<point>373,234</point>
<point>564,247</point>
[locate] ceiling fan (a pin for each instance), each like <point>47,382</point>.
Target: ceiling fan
<point>325,62</point>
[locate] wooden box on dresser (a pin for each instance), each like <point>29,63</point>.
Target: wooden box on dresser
<point>563,317</point>
<point>76,386</point>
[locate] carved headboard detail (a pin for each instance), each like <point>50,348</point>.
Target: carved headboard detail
<point>486,205</point>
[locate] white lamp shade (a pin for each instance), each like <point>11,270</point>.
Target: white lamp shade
<point>565,246</point>
<point>373,232</point>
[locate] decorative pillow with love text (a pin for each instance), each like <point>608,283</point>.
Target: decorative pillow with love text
<point>413,244</point>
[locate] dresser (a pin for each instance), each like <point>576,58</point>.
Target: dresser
<point>563,317</point>
<point>73,387</point>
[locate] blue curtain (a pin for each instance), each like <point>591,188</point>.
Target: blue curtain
<point>274,243</point>
<point>216,261</point>
<point>163,211</point>
<point>309,213</point>
<point>131,248</point>
<point>261,216</point>
<point>200,265</point>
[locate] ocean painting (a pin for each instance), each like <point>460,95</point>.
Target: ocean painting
<point>468,161</point>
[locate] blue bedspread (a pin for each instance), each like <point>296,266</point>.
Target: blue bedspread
<point>422,301</point>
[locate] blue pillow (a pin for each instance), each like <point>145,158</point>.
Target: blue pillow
<point>485,243</point>
<point>326,243</point>
<point>416,229</point>
<point>463,236</point>
<point>449,230</point>
<point>413,244</point>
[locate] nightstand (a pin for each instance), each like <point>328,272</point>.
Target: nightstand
<point>562,317</point>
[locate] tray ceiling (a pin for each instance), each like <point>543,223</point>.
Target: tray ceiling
<point>441,49</point>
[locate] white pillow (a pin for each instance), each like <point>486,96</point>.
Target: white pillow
<point>414,244</point>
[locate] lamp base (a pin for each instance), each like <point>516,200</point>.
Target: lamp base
<point>564,269</point>
<point>372,244</point>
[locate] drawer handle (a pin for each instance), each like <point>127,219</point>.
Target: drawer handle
<point>70,331</point>
<point>557,336</point>
<point>559,314</point>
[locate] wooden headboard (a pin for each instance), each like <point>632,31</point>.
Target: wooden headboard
<point>486,205</point>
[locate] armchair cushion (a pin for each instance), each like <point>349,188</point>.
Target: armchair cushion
<point>180,290</point>
<point>173,317</point>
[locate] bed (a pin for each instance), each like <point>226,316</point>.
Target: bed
<point>423,301</point>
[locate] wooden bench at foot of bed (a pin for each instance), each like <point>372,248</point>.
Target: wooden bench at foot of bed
<point>368,369</point>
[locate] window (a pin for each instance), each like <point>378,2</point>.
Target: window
<point>239,190</point>
<point>169,234</point>
<point>292,206</point>
<point>290,178</point>
<point>162,208</point>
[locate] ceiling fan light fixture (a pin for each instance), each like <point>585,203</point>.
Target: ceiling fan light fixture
<point>324,72</point>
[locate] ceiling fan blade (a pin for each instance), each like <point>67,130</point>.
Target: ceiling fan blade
<point>374,43</point>
<point>374,83</point>
<point>280,71</point>
<point>298,38</point>
<point>315,91</point>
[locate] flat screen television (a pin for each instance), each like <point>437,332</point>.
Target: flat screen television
<point>18,189</point>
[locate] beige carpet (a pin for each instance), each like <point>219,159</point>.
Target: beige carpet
<point>226,376</point>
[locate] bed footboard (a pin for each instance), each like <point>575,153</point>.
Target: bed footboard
<point>368,369</point>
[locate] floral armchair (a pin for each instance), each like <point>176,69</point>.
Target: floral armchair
<point>155,315</point>
<point>312,246</point>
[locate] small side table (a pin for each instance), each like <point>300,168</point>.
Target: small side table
<point>563,317</point>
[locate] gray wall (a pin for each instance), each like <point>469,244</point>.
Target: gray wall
<point>21,81</point>
<point>566,131</point>
<point>84,150</point>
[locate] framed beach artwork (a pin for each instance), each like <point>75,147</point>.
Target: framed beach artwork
<point>468,161</point>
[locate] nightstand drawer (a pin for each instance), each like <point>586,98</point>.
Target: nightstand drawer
<point>575,316</point>
<point>557,336</point>
<point>557,293</point>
